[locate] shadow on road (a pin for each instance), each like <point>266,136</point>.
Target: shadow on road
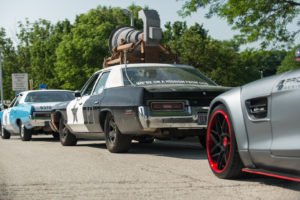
<point>37,139</point>
<point>162,148</point>
<point>170,149</point>
<point>50,139</point>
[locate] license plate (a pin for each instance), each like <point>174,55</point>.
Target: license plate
<point>202,118</point>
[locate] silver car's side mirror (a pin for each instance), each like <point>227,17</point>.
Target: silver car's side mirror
<point>297,55</point>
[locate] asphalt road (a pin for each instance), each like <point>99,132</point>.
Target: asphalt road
<point>43,169</point>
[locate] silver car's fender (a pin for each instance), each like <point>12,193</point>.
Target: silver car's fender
<point>232,101</point>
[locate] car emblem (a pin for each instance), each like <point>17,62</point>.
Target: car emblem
<point>45,107</point>
<point>74,112</point>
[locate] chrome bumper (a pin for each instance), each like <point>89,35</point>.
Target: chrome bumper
<point>189,121</point>
<point>38,122</point>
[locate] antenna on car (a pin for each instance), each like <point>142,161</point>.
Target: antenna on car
<point>125,61</point>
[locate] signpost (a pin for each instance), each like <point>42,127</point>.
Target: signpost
<point>19,81</point>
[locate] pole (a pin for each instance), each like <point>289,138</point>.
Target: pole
<point>1,82</point>
<point>131,18</point>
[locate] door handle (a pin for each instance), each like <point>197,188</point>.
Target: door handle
<point>96,102</point>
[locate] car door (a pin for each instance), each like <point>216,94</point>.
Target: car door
<point>285,116</point>
<point>75,113</point>
<point>91,107</point>
<point>10,114</point>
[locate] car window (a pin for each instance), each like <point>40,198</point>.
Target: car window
<point>101,83</point>
<point>91,82</point>
<point>13,102</point>
<point>157,75</point>
<point>17,100</point>
<point>49,96</point>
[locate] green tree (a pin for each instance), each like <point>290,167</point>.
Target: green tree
<point>82,51</point>
<point>264,20</point>
<point>220,60</point>
<point>216,59</point>
<point>9,64</point>
<point>39,41</point>
<point>289,62</point>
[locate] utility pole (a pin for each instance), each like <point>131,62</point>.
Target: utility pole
<point>131,18</point>
<point>126,12</point>
<point>261,74</point>
<point>1,82</point>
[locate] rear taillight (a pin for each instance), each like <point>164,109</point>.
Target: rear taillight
<point>167,106</point>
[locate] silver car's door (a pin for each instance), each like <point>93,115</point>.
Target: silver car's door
<point>255,100</point>
<point>256,104</point>
<point>75,112</point>
<point>285,116</point>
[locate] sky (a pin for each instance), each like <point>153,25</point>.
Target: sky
<point>12,11</point>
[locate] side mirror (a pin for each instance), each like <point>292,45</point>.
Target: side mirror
<point>297,55</point>
<point>77,93</point>
<point>3,106</point>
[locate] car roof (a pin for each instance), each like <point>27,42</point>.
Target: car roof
<point>144,65</point>
<point>44,90</point>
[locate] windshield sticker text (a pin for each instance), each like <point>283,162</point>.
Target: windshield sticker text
<point>170,82</point>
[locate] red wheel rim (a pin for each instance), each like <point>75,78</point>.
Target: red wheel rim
<point>219,141</point>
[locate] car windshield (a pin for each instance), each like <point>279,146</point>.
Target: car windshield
<point>49,96</point>
<point>158,75</point>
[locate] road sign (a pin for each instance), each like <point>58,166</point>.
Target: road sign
<point>19,81</point>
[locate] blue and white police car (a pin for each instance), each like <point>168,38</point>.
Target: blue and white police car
<point>29,113</point>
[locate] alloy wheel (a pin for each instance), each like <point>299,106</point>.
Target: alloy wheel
<point>219,141</point>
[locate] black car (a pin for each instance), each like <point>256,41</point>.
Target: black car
<point>137,101</point>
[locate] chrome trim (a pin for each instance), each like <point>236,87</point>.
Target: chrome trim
<point>38,122</point>
<point>189,121</point>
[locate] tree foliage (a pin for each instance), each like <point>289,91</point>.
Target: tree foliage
<point>82,51</point>
<point>264,20</point>
<point>9,63</point>
<point>289,62</point>
<point>39,41</point>
<point>220,60</point>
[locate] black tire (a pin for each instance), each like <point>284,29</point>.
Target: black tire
<point>65,136</point>
<point>4,133</point>
<point>222,152</point>
<point>25,134</point>
<point>116,142</point>
<point>55,135</point>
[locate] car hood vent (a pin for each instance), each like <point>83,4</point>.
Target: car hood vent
<point>257,108</point>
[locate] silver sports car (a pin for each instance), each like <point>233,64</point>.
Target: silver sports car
<point>256,128</point>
